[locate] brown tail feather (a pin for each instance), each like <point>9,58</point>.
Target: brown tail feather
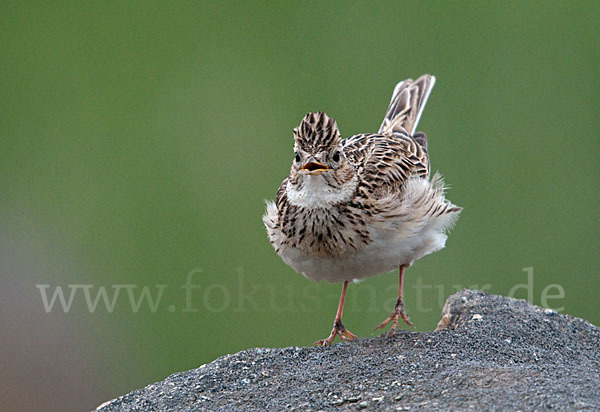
<point>407,104</point>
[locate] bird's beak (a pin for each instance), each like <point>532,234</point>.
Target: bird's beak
<point>313,167</point>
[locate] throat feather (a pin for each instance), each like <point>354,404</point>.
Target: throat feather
<point>315,192</point>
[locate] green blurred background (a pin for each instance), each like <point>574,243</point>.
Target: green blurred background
<point>140,139</point>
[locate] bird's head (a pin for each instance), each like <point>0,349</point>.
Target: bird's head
<point>319,158</point>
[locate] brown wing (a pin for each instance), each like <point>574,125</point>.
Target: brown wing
<point>387,159</point>
<point>385,162</point>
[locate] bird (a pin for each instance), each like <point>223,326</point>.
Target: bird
<point>356,207</point>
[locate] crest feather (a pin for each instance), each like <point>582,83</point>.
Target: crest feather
<point>317,132</point>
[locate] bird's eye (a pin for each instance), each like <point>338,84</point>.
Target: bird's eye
<point>296,157</point>
<point>336,156</point>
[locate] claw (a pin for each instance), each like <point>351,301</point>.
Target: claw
<point>338,330</point>
<point>396,313</point>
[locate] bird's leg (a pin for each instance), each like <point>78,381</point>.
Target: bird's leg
<point>338,327</point>
<point>399,309</point>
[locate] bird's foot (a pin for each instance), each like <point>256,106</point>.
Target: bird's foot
<point>338,330</point>
<point>398,312</point>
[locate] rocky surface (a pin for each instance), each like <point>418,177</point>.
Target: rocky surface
<point>489,353</point>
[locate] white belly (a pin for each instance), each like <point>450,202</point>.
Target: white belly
<point>411,230</point>
<point>387,252</point>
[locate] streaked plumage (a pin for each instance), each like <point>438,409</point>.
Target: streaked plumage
<point>360,206</point>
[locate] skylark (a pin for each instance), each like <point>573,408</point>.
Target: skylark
<point>356,207</point>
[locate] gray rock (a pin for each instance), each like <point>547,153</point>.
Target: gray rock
<point>489,353</point>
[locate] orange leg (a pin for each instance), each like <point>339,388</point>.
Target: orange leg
<point>399,309</point>
<point>338,326</point>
